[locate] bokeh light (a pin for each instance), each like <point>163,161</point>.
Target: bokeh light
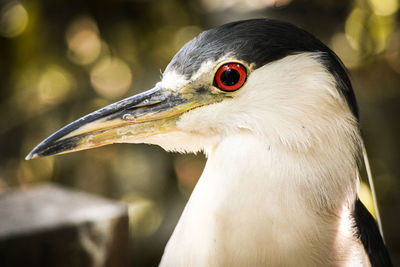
<point>368,27</point>
<point>13,20</point>
<point>111,77</point>
<point>83,40</point>
<point>144,215</point>
<point>384,7</point>
<point>380,29</point>
<point>355,28</point>
<point>54,85</point>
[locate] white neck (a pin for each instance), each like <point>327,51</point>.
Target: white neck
<point>258,203</point>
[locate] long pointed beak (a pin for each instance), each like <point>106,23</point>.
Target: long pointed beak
<point>137,117</point>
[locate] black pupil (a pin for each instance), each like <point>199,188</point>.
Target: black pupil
<point>230,77</point>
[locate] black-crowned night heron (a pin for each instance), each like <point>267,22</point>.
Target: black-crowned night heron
<point>274,111</point>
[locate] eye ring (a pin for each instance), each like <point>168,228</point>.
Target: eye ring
<point>230,77</point>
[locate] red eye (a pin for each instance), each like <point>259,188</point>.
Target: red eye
<point>230,77</point>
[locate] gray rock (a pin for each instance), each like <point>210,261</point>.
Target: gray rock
<point>53,226</point>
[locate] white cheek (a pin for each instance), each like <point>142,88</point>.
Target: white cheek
<point>292,101</point>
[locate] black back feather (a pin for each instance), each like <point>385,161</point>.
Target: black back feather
<point>368,233</point>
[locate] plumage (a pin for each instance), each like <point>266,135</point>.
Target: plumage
<point>280,184</point>
<point>368,233</point>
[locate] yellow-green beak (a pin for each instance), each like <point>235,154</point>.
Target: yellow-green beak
<point>135,118</point>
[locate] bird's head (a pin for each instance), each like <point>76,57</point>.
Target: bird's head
<point>261,77</point>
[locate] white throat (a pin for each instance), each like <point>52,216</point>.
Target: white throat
<point>258,204</point>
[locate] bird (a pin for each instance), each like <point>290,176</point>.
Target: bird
<point>273,110</point>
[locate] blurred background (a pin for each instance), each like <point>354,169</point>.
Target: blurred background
<point>62,59</point>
